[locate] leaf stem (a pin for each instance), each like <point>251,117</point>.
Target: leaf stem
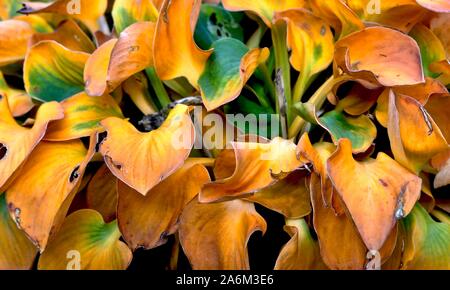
<point>158,87</point>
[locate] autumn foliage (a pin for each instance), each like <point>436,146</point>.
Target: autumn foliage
<point>107,143</point>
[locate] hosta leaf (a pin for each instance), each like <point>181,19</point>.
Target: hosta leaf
<point>398,14</point>
<point>101,193</point>
<point>288,196</point>
<point>311,41</point>
<point>302,251</point>
<point>263,8</point>
<point>128,12</point>
<point>348,251</point>
<point>360,130</point>
<point>84,233</point>
<point>380,55</point>
<point>430,46</point>
<point>89,11</point>
<point>131,54</point>
<point>14,37</point>
<point>215,236</point>
<point>215,23</point>
<point>96,69</point>
<point>41,195</point>
<point>338,15</point>
<point>8,8</point>
<point>255,166</point>
<point>414,136</point>
<point>19,101</point>
<point>16,251</point>
<point>82,116</point>
<point>359,100</point>
<point>442,6</point>
<point>17,142</point>
<point>175,52</point>
<point>53,72</point>
<point>142,160</point>
<point>38,23</point>
<point>427,244</point>
<point>69,35</point>
<point>146,221</point>
<point>227,70</point>
<point>376,192</point>
<point>420,92</point>
<point>437,106</point>
<point>439,27</point>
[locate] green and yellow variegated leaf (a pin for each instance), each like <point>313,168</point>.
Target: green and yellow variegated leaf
<point>127,12</point>
<point>53,72</point>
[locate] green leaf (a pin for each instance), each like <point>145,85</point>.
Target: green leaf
<point>215,23</point>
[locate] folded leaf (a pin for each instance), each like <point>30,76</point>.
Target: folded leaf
<point>311,41</point>
<point>14,37</point>
<point>302,251</point>
<point>215,236</point>
<point>127,12</point>
<point>439,27</point>
<point>414,136</point>
<point>84,238</point>
<point>82,117</point>
<point>427,243</point>
<point>40,197</point>
<point>69,35</point>
<point>256,166</point>
<point>146,221</point>
<point>38,23</point>
<point>360,130</point>
<point>348,252</point>
<point>96,69</point>
<point>359,100</point>
<point>380,56</point>
<point>131,54</point>
<point>88,11</point>
<point>174,50</point>
<point>17,142</point>
<point>376,192</point>
<point>288,196</point>
<point>53,72</point>
<point>16,251</point>
<point>263,8</point>
<point>430,46</point>
<point>142,160</point>
<point>19,101</point>
<point>437,106</point>
<point>338,15</point>
<point>227,70</point>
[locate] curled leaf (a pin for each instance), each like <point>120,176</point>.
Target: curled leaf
<point>128,12</point>
<point>174,50</point>
<point>215,236</point>
<point>142,160</point>
<point>228,69</point>
<point>14,37</point>
<point>40,197</point>
<point>17,142</point>
<point>255,166</point>
<point>380,56</point>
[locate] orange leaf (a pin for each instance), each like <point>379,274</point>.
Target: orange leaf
<point>101,193</point>
<point>14,36</point>
<point>40,197</point>
<point>258,165</point>
<point>175,52</point>
<point>415,138</point>
<point>380,56</point>
<point>17,142</point>
<point>215,236</point>
<point>376,192</point>
<point>142,160</point>
<point>146,221</point>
